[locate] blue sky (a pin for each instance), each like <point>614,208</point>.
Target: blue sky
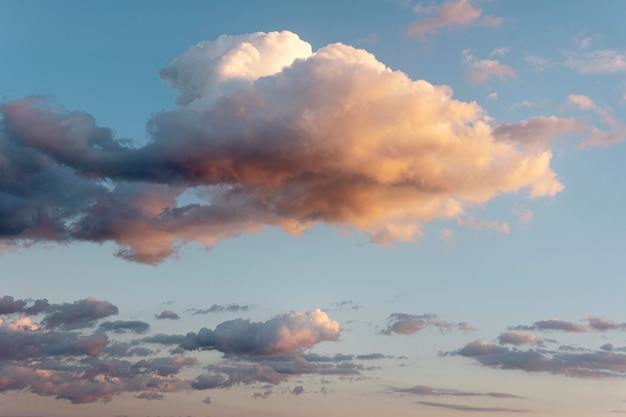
<point>378,207</point>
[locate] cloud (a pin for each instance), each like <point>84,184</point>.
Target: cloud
<point>82,313</point>
<point>459,407</point>
<point>219,308</point>
<point>402,323</point>
<point>150,396</point>
<point>617,129</point>
<point>212,68</point>
<point>167,315</point>
<point>538,63</point>
<point>538,132</point>
<point>600,324</point>
<point>578,364</point>
<point>451,15</point>
<point>9,305</point>
<point>27,343</point>
<point>554,324</point>
<point>270,135</point>
<point>519,338</point>
<point>481,70</point>
<point>426,390</point>
<point>285,334</point>
<point>121,326</point>
<point>597,61</point>
<point>49,359</point>
<point>603,324</point>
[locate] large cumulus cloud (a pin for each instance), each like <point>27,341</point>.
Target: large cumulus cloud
<point>268,133</point>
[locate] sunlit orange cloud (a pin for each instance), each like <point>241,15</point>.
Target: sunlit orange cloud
<point>332,136</point>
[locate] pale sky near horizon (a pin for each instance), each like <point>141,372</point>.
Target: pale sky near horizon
<point>287,208</point>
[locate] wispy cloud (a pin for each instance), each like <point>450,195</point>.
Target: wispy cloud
<point>616,131</point>
<point>459,407</point>
<point>425,390</point>
<point>403,323</point>
<point>220,308</point>
<point>451,15</point>
<point>479,71</point>
<point>600,364</point>
<point>597,61</point>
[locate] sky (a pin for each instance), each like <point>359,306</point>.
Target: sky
<point>286,208</point>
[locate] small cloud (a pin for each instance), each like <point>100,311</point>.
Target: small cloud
<point>167,315</point>
<point>538,63</point>
<point>150,396</point>
<point>499,51</point>
<point>288,333</point>
<point>402,323</point>
<point>524,103</point>
<point>597,61</point>
<point>492,97</point>
<point>459,407</point>
<point>262,395</point>
<point>370,39</point>
<point>487,224</point>
<point>447,235</point>
<point>220,308</point>
<point>121,326</point>
<point>297,390</point>
<point>525,216</point>
<point>519,338</point>
<point>451,15</point>
<point>616,129</point>
<point>481,70</point>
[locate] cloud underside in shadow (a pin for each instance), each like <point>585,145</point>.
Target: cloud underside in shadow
<point>267,133</point>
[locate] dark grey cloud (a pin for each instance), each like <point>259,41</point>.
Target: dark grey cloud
<point>219,308</point>
<point>167,315</point>
<point>9,305</point>
<point>599,324</point>
<point>297,390</point>
<point>82,313</point>
<point>166,339</point>
<point>403,323</point>
<point>459,407</point>
<point>121,326</point>
<point>150,396</point>
<point>600,364</point>
<point>27,345</point>
<point>426,390</point>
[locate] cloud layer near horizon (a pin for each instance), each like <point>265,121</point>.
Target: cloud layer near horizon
<point>268,133</point>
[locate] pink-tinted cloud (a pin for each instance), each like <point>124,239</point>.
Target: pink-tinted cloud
<point>403,323</point>
<point>451,15</point>
<point>519,338</point>
<point>597,61</point>
<point>479,71</point>
<point>280,144</point>
<point>289,333</point>
<point>616,131</point>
